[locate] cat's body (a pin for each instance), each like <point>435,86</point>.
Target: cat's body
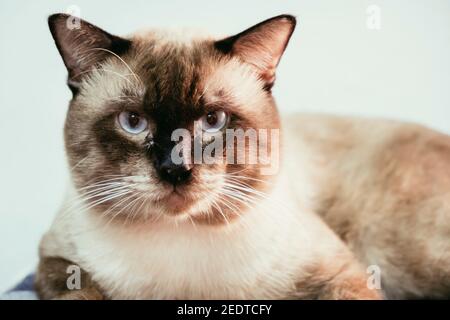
<point>384,188</point>
<point>142,225</point>
<point>270,253</point>
<point>355,182</point>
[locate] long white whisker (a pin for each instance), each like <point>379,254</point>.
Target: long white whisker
<point>119,75</point>
<point>103,200</point>
<point>123,208</point>
<point>215,205</point>
<point>136,212</point>
<point>238,178</point>
<point>78,163</point>
<point>118,57</point>
<point>117,204</point>
<point>132,205</point>
<point>81,200</point>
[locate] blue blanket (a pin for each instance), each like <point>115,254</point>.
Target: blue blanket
<point>23,291</point>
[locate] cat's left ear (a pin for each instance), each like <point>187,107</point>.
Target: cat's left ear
<point>261,45</point>
<point>83,45</point>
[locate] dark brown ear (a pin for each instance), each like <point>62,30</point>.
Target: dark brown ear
<point>82,45</point>
<point>261,45</point>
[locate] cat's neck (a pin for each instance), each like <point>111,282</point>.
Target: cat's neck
<point>276,231</point>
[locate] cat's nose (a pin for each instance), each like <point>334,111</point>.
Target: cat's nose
<point>175,173</point>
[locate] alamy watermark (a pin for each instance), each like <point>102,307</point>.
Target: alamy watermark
<point>73,281</point>
<point>250,147</point>
<point>73,21</point>
<point>373,21</point>
<point>374,279</point>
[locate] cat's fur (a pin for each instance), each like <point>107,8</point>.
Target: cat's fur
<point>384,187</point>
<point>203,244</point>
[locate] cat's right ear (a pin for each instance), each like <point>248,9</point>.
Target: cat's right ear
<point>82,45</point>
<point>261,46</point>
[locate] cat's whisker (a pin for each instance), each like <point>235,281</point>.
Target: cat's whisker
<point>237,178</point>
<point>115,205</point>
<point>101,69</point>
<point>144,200</point>
<point>241,187</point>
<point>228,204</point>
<point>238,194</point>
<point>97,69</point>
<point>78,163</point>
<point>102,179</point>
<point>97,190</point>
<point>124,77</point>
<point>103,226</point>
<point>159,216</point>
<point>118,179</point>
<point>247,196</point>
<point>87,206</point>
<point>239,183</point>
<point>123,98</point>
<point>218,208</point>
<point>205,89</point>
<point>239,171</point>
<point>235,211</point>
<point>105,214</point>
<point>240,198</point>
<point>192,221</point>
<point>126,64</point>
<point>105,199</point>
<point>101,187</point>
<point>101,191</point>
<point>81,200</point>
<point>133,195</point>
<point>228,201</point>
<point>243,198</point>
<point>132,206</point>
<point>237,190</point>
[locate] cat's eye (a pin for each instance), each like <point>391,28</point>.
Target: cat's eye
<point>132,122</point>
<point>214,121</point>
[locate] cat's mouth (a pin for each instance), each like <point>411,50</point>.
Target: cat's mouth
<point>176,201</point>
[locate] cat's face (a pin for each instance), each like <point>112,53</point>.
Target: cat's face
<point>131,98</point>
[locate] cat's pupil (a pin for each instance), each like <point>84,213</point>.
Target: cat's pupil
<point>211,118</point>
<point>133,119</point>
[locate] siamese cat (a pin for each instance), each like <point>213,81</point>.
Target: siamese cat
<point>143,219</point>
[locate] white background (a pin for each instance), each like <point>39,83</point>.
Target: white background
<point>334,64</point>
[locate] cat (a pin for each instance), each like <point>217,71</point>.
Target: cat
<point>139,225</point>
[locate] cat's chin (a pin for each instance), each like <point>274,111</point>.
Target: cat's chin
<point>176,203</point>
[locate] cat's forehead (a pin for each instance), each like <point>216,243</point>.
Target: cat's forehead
<point>175,71</point>
<point>172,36</point>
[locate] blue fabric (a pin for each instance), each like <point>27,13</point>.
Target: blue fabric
<point>22,291</point>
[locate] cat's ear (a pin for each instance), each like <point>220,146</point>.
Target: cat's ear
<point>82,45</point>
<point>261,45</point>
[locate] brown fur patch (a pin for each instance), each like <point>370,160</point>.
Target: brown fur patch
<point>341,280</point>
<point>385,190</point>
<point>418,164</point>
<point>51,281</point>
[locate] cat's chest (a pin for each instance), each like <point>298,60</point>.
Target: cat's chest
<point>189,264</point>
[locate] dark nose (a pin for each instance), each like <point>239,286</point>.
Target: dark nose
<point>174,173</point>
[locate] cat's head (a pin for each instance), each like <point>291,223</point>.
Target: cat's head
<point>136,98</point>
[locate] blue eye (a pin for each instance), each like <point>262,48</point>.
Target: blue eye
<point>132,122</point>
<point>214,121</point>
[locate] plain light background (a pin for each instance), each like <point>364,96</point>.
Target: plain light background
<point>334,64</point>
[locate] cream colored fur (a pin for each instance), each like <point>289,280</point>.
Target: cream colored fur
<point>384,187</point>
<point>262,255</point>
